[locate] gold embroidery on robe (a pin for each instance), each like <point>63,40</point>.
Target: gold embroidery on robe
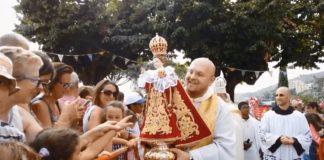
<point>185,119</point>
<point>207,111</point>
<point>157,118</point>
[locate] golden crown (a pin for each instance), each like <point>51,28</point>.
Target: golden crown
<point>158,45</point>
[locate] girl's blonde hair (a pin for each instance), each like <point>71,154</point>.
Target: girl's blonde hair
<point>115,104</point>
<point>18,151</point>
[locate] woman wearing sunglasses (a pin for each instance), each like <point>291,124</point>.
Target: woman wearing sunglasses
<point>105,92</point>
<point>46,107</point>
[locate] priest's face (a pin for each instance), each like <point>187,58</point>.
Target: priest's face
<point>199,77</point>
<point>282,96</point>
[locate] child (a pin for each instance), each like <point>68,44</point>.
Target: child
<point>17,151</point>
<point>115,111</point>
<point>66,144</point>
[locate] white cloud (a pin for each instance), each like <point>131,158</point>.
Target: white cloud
<point>8,16</point>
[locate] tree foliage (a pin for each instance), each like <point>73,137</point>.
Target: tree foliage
<point>87,26</point>
<point>245,34</point>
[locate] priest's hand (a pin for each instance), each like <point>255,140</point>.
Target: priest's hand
<point>290,140</point>
<point>287,140</point>
<point>180,154</point>
<point>247,144</point>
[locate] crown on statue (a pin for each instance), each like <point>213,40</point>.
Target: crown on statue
<point>158,45</point>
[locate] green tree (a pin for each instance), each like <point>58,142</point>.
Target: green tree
<point>82,27</point>
<point>245,34</point>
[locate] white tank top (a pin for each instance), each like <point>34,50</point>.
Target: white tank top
<point>13,129</point>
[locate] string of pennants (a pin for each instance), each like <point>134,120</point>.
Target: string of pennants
<point>127,60</point>
<point>243,71</point>
<point>90,56</point>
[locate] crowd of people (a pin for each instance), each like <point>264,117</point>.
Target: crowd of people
<point>46,114</point>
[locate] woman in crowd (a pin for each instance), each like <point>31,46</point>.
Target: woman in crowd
<point>46,108</point>
<point>46,72</point>
<point>105,91</point>
<point>316,125</point>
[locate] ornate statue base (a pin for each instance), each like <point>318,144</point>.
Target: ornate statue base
<point>159,151</point>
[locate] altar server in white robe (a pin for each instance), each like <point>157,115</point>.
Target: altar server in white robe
<point>221,145</point>
<point>250,131</point>
<point>284,132</point>
<point>220,90</point>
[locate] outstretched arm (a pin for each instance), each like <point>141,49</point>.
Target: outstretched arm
<point>95,140</point>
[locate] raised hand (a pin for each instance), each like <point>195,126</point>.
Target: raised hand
<point>69,113</point>
<point>124,123</point>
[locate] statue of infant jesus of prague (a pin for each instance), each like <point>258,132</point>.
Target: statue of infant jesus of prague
<point>169,115</point>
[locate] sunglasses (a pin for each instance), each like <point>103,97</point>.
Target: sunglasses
<point>109,93</point>
<point>65,85</point>
<point>43,82</point>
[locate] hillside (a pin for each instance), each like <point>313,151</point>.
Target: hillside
<point>308,78</point>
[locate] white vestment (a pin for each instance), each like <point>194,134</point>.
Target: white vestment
<point>224,134</point>
<point>237,120</point>
<point>276,123</point>
<point>250,131</point>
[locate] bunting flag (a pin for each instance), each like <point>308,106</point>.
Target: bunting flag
<point>113,57</point>
<point>243,71</point>
<point>60,56</point>
<point>90,56</point>
<point>76,57</point>
<point>126,60</point>
<point>257,73</point>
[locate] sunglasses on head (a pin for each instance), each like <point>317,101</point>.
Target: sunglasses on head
<point>109,93</point>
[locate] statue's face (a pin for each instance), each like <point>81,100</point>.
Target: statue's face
<point>157,63</point>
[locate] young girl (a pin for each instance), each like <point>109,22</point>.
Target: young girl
<point>17,151</point>
<point>115,111</point>
<point>66,144</point>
